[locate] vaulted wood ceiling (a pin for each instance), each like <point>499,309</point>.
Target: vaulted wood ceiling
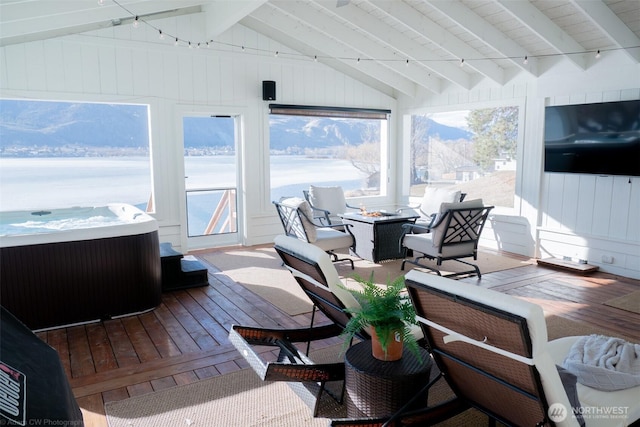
<point>398,46</point>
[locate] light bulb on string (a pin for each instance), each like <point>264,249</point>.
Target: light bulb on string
<point>462,63</point>
<point>176,43</point>
<point>526,60</point>
<point>407,63</point>
<point>161,36</point>
<point>136,23</point>
<point>598,54</point>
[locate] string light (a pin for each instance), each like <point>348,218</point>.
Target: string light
<point>137,20</point>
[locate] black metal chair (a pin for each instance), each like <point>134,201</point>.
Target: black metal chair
<point>297,219</point>
<point>454,235</point>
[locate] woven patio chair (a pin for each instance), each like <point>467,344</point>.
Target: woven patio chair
<point>315,273</point>
<point>492,350</point>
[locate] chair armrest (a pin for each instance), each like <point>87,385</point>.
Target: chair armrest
<point>320,214</point>
<point>407,208</point>
<point>409,227</point>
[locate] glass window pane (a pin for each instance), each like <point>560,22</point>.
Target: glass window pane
<point>473,151</point>
<point>326,151</point>
<point>62,154</point>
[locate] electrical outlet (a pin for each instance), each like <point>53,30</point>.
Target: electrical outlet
<point>607,259</point>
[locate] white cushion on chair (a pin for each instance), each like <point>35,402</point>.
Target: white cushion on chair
<point>434,197</point>
<point>328,198</point>
<point>305,208</point>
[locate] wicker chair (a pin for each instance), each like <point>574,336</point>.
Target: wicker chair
<point>314,272</point>
<point>492,350</point>
<point>453,236</point>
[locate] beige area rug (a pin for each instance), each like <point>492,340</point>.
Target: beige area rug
<point>242,399</point>
<point>260,270</point>
<point>629,302</point>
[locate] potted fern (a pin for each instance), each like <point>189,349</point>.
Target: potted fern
<point>386,314</point>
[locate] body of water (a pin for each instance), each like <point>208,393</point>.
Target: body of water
<point>47,183</point>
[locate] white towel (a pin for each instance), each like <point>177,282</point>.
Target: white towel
<point>604,363</point>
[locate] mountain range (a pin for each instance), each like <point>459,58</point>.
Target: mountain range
<point>28,126</point>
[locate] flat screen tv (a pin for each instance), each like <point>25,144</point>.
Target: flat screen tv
<point>601,138</point>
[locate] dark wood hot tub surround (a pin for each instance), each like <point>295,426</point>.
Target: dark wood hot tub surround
<point>54,284</point>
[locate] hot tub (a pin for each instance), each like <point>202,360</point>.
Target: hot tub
<point>66,266</point>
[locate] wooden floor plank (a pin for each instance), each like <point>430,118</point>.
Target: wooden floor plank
<point>140,340</point>
<point>185,339</point>
<point>123,349</point>
<point>80,358</point>
<point>101,348</point>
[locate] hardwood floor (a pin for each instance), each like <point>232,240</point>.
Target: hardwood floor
<point>184,340</point>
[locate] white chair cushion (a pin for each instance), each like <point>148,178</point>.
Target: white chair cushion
<point>328,198</point>
<point>433,197</point>
<point>315,254</point>
<point>329,239</point>
<point>305,208</point>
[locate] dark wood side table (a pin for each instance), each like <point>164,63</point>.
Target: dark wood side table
<point>377,238</point>
<point>378,389</point>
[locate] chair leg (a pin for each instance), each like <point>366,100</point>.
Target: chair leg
<point>476,269</point>
<point>336,259</point>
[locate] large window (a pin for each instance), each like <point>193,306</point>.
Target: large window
<point>327,147</point>
<point>63,154</point>
<point>472,150</point>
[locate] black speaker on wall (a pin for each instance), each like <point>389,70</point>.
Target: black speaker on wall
<point>268,90</point>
